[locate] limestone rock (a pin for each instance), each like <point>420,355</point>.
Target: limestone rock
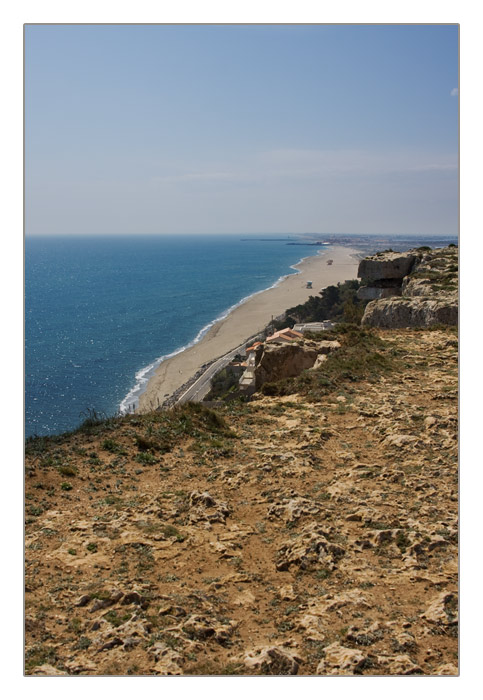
<point>292,509</point>
<point>373,293</point>
<point>310,550</point>
<point>272,661</point>
<point>168,661</point>
<point>400,665</point>
<point>386,265</point>
<point>48,670</point>
<point>446,670</point>
<point>399,312</point>
<point>339,660</point>
<point>283,360</point>
<point>201,627</point>
<point>426,295</point>
<point>325,347</point>
<point>203,507</point>
<point>443,610</point>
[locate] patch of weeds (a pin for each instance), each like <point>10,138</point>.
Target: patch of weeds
<point>72,552</point>
<point>35,510</point>
<point>75,625</point>
<point>112,500</point>
<point>323,574</point>
<point>377,525</point>
<point>113,446</point>
<point>91,547</point>
<point>113,617</point>
<point>66,486</point>
<point>145,445</point>
<point>67,470</point>
<point>362,356</point>
<point>83,643</point>
<point>146,458</point>
<point>171,531</point>
<point>402,541</point>
<point>39,655</point>
<point>285,626</point>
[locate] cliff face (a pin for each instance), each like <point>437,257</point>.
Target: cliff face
<point>279,361</point>
<point>415,289</point>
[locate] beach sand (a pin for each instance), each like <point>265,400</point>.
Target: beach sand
<point>248,319</point>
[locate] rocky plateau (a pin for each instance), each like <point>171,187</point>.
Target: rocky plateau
<point>312,530</point>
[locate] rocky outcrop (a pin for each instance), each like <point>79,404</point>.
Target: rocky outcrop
<point>410,313</point>
<point>274,362</point>
<point>283,360</point>
<point>415,289</point>
<point>272,661</point>
<point>386,266</point>
<point>382,274</point>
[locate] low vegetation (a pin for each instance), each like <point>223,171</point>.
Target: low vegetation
<point>363,356</point>
<point>336,302</point>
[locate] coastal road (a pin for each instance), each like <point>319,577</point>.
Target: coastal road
<point>199,389</point>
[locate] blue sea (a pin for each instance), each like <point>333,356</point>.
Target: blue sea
<point>101,312</point>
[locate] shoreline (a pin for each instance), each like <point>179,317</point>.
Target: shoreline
<point>246,319</point>
<point>144,375</point>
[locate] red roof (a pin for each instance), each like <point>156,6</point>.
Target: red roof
<point>285,334</point>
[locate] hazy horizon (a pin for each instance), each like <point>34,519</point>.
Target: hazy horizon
<point>241,129</point>
<point>250,233</point>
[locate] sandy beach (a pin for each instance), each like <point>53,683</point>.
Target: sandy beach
<point>248,319</point>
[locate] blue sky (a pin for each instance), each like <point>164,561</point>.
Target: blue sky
<point>238,129</point>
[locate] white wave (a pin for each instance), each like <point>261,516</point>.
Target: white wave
<point>143,375</point>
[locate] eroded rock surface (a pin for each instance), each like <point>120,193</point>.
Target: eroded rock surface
<point>308,535</point>
<point>417,289</point>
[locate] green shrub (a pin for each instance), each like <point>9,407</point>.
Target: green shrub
<point>67,470</point>
<point>361,356</point>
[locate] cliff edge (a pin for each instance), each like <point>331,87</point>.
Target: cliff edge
<point>414,289</point>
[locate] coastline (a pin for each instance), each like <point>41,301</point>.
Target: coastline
<point>247,319</point>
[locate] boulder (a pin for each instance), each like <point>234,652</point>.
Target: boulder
<point>272,661</point>
<point>339,660</point>
<point>386,266</point>
<point>309,551</point>
<point>283,360</point>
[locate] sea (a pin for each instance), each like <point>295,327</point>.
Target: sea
<point>101,312</point>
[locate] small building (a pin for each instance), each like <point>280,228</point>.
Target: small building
<point>316,327</point>
<point>308,285</point>
<point>284,336</point>
<point>253,347</point>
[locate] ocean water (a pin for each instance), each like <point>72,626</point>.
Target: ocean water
<point>101,312</point>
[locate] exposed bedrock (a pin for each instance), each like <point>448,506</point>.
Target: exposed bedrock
<point>386,266</point>
<point>283,360</point>
<point>289,360</point>
<point>417,288</point>
<point>403,313</point>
